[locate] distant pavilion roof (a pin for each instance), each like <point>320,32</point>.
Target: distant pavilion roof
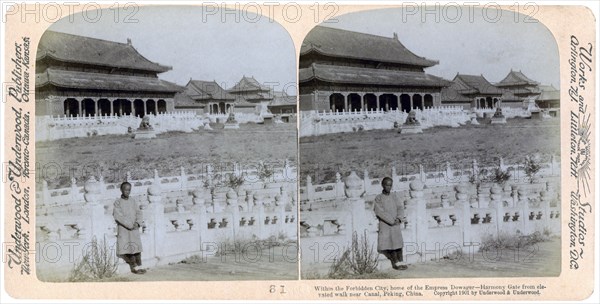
<point>549,92</point>
<point>242,103</point>
<point>515,78</point>
<point>207,90</point>
<point>184,100</point>
<point>450,94</point>
<point>101,81</point>
<point>475,84</point>
<point>86,50</point>
<point>281,98</point>
<point>355,45</point>
<point>248,84</point>
<point>368,76</point>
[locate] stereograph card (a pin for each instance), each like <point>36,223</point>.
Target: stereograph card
<point>287,151</point>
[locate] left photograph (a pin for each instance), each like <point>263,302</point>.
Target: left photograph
<point>166,147</point>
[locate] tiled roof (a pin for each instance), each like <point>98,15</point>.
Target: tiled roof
<point>476,84</point>
<point>248,84</point>
<point>100,81</point>
<point>515,78</point>
<point>368,76</point>
<point>182,99</point>
<point>206,90</point>
<point>282,99</point>
<point>355,45</point>
<point>241,103</point>
<point>450,94</point>
<point>548,93</point>
<point>73,48</point>
<point>255,96</point>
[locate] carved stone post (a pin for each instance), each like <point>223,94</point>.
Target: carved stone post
<point>310,191</point>
<point>353,188</point>
<point>259,206</point>
<point>209,175</point>
<point>199,197</point>
<point>514,195</point>
<point>496,197</point>
<point>483,194</point>
<point>523,205</point>
<point>155,215</point>
<point>422,175</point>
<point>234,209</point>
<point>289,175</point>
<point>545,204</point>
<point>280,202</point>
<point>182,178</point>
<point>444,201</point>
<point>199,211</point>
<point>475,169</point>
<point>215,206</point>
<point>501,164</point>
<point>418,204</point>
<point>249,200</point>
<point>339,186</point>
<point>464,208</point>
<point>449,173</point>
<point>366,181</point>
<point>98,221</point>
<point>45,193</point>
<point>75,195</point>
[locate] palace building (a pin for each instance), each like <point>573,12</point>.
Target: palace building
<point>252,91</point>
<point>473,91</point>
<point>204,97</point>
<point>517,88</point>
<point>282,103</point>
<point>343,70</point>
<point>549,97</point>
<point>247,96</point>
<point>83,76</point>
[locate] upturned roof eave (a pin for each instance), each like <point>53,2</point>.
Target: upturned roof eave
<point>160,68</point>
<point>429,63</point>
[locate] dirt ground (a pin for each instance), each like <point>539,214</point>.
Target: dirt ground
<point>377,150</point>
<point>537,260</point>
<point>114,155</point>
<point>270,264</point>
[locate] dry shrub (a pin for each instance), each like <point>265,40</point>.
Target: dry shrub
<point>513,241</point>
<point>358,261</point>
<point>98,263</point>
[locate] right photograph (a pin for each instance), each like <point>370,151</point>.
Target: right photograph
<point>429,146</point>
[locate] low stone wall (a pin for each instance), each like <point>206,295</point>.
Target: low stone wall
<point>239,117</point>
<point>314,123</point>
<point>440,218</point>
<point>59,127</point>
<point>507,111</point>
<point>182,217</point>
<point>437,180</point>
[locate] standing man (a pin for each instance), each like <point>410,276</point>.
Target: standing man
<point>390,212</point>
<point>129,219</point>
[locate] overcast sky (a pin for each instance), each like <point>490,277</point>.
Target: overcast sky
<point>201,49</point>
<point>478,47</point>
<point>212,50</point>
